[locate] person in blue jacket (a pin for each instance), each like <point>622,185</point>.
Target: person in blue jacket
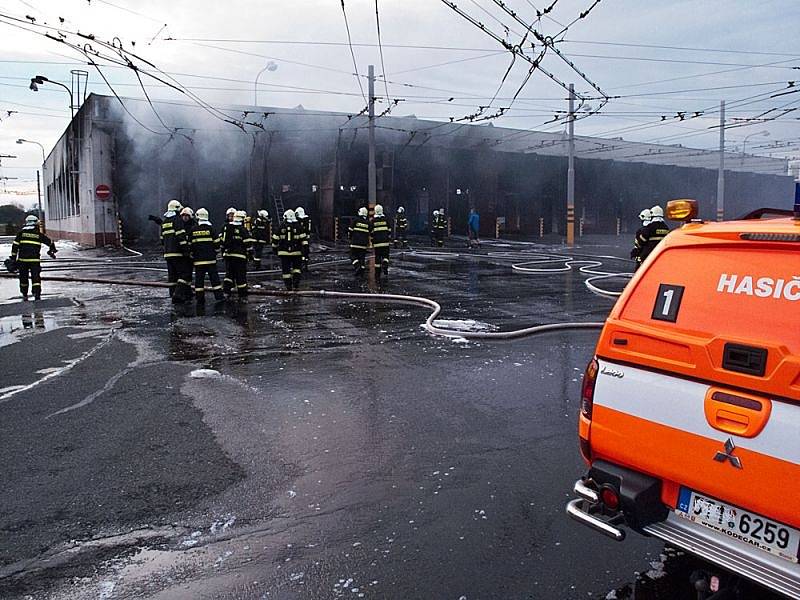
<point>473,228</point>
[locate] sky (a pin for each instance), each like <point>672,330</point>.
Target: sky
<point>665,65</point>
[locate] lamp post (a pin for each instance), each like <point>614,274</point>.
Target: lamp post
<point>765,133</point>
<point>40,79</point>
<point>38,185</point>
<point>270,66</point>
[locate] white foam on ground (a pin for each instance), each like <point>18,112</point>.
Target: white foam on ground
<point>463,325</point>
<point>205,374</point>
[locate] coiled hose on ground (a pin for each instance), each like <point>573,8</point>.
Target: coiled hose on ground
<point>428,325</point>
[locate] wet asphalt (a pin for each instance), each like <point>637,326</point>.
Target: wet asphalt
<point>306,448</point>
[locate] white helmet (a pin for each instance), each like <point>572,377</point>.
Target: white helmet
<point>436,213</point>
<point>263,214</point>
<point>363,212</point>
<point>400,210</point>
<point>202,214</point>
<point>289,216</point>
<point>230,211</point>
<point>441,211</point>
<point>187,211</point>
<point>31,219</point>
<point>645,216</point>
<point>657,212</point>
<point>378,210</point>
<point>300,213</point>
<point>240,214</point>
<point>173,206</point>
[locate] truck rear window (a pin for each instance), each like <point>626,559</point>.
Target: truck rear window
<point>741,292</point>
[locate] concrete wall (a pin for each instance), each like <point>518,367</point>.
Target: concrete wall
<point>81,160</point>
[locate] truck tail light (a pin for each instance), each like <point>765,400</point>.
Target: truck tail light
<point>587,389</point>
<point>609,497</point>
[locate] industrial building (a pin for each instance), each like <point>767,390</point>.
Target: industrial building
<point>118,162</point>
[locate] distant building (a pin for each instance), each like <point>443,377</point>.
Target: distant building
<point>319,160</point>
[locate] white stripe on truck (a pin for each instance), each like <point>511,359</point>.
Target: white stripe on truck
<point>679,403</point>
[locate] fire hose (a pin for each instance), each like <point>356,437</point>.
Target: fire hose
<point>428,325</point>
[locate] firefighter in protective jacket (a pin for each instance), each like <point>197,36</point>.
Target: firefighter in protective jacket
<point>261,234</point>
<point>176,252</point>
<point>381,241</point>
<point>439,227</point>
<point>205,243</point>
<point>235,244</point>
<point>649,236</point>
<point>359,241</point>
<point>304,221</point>
<point>401,229</point>
<point>25,252</point>
<point>287,243</point>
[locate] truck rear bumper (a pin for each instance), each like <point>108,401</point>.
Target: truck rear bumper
<point>771,571</point>
<point>733,555</point>
<point>584,510</point>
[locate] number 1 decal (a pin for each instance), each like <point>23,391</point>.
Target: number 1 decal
<point>668,302</point>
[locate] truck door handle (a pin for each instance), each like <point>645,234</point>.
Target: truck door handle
<point>737,413</point>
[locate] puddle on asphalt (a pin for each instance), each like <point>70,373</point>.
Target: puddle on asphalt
<point>11,328</point>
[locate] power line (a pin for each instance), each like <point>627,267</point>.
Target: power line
<point>380,48</point>
<point>682,48</point>
<point>353,54</point>
<point>580,16</point>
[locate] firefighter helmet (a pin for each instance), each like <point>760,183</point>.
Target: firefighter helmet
<point>300,213</point>
<point>289,216</point>
<point>187,211</point>
<point>400,210</point>
<point>31,220</point>
<point>645,216</point>
<point>263,214</point>
<point>363,212</point>
<point>378,210</point>
<point>230,211</point>
<point>173,206</point>
<point>202,214</point>
<point>657,212</point>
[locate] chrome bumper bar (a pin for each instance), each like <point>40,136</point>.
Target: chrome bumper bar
<point>580,509</point>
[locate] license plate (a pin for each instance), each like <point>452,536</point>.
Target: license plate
<point>732,521</point>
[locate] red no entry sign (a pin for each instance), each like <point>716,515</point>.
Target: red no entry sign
<point>103,192</point>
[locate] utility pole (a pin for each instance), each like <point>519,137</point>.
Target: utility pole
<point>39,194</point>
<point>372,184</point>
<point>721,175</point>
<point>571,170</point>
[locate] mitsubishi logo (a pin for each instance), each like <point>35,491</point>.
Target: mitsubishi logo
<point>728,455</point>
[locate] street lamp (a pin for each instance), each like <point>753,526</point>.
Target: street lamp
<point>765,133</point>
<point>270,66</point>
<point>40,79</point>
<point>38,185</point>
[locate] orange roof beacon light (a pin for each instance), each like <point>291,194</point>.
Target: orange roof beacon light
<point>682,210</point>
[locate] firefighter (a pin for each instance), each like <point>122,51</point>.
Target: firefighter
<point>287,243</point>
<point>359,240</point>
<point>25,251</point>
<point>176,251</point>
<point>379,233</point>
<point>305,226</point>
<point>204,245</point>
<point>400,229</point>
<point>261,235</point>
<point>439,227</point>
<point>645,217</point>
<point>234,242</point>
<point>649,236</point>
